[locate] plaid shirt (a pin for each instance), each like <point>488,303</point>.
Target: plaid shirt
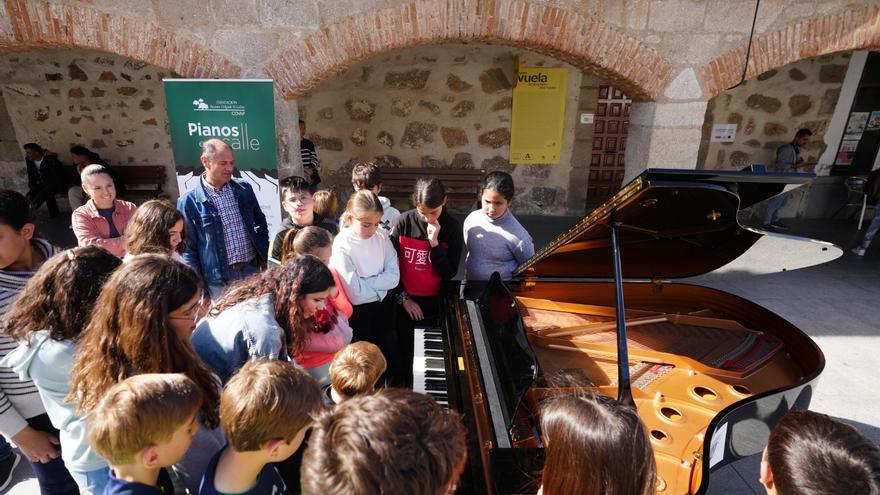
<point>238,244</point>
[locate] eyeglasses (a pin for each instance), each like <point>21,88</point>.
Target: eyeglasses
<point>191,315</point>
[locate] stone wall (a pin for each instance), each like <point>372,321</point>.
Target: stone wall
<point>770,108</point>
<point>439,106</point>
<point>110,104</point>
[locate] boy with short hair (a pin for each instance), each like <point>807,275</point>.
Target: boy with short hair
<point>144,424</point>
<point>265,411</point>
<point>355,370</point>
<point>811,454</point>
<point>297,201</point>
<point>394,441</point>
<point>366,175</point>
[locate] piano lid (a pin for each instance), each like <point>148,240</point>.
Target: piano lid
<point>672,224</point>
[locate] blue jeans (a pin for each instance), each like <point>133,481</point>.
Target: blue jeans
<point>216,291</point>
<point>773,206</point>
<point>869,235</point>
<point>5,449</point>
<point>91,482</point>
<point>53,476</point>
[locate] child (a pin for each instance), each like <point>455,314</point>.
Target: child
<point>156,227</point>
<point>141,426</point>
<point>601,440</point>
<point>331,330</point>
<point>48,320</point>
<point>265,411</point>
<point>365,176</point>
<point>428,242</point>
<point>267,316</point>
<point>394,441</point>
<point>355,371</point>
<point>298,202</point>
<point>495,240</point>
<point>367,264</point>
<point>326,205</point>
<point>141,324</point>
<point>22,415</point>
<point>811,454</point>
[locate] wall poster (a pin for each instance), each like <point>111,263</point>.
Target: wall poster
<point>856,125</point>
<point>846,152</point>
<point>238,111</point>
<point>538,115</point>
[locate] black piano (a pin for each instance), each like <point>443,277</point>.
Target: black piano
<point>709,372</point>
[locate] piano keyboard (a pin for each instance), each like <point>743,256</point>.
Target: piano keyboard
<point>429,366</point>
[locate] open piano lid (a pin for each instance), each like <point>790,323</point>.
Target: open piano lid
<point>672,224</point>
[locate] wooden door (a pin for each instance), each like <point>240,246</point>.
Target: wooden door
<point>610,128</point>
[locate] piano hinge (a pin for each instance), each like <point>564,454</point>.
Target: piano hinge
<point>529,282</point>
<point>656,285</point>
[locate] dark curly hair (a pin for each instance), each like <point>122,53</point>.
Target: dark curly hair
<point>288,282</point>
<point>61,296</point>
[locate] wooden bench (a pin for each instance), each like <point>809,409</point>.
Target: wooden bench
<point>136,177</point>
<point>462,185</point>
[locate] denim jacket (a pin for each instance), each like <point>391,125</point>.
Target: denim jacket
<point>206,247</point>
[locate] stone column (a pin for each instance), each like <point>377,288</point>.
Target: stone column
<point>666,133</point>
<point>287,132</point>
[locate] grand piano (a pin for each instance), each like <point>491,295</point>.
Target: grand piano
<point>709,372</point>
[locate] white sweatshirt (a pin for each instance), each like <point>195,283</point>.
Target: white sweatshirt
<point>367,267</point>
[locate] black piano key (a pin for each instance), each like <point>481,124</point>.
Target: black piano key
<point>435,386</point>
<point>434,353</point>
<point>435,374</point>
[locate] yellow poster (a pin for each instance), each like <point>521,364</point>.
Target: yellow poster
<point>538,115</point>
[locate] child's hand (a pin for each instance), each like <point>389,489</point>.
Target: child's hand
<point>36,445</point>
<point>434,233</point>
<point>413,309</point>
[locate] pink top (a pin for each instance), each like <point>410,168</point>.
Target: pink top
<point>341,301</point>
<point>91,228</point>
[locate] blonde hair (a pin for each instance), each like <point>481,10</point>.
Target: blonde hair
<point>326,204</point>
<point>359,204</point>
<point>139,411</point>
<point>356,369</point>
<point>267,400</point>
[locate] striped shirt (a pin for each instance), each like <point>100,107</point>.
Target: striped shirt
<point>238,245</point>
<point>19,399</point>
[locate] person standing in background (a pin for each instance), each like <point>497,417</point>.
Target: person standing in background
<point>227,238</point>
<point>102,220</point>
<point>45,178</point>
<point>788,159</point>
<point>311,165</point>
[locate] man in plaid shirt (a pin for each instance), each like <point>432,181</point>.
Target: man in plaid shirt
<point>226,234</point>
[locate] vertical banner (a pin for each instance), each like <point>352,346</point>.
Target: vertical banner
<point>538,115</point>
<point>238,111</point>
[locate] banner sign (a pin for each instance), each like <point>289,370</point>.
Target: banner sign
<point>238,111</point>
<point>538,115</point>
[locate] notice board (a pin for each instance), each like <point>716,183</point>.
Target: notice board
<point>538,115</point>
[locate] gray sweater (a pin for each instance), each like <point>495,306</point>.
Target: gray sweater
<point>495,245</point>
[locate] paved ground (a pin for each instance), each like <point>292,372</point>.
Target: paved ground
<point>833,302</point>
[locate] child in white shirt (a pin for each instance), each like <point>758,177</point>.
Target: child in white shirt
<point>367,264</point>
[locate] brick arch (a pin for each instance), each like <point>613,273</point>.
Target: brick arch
<point>583,42</point>
<point>36,24</point>
<point>856,29</point>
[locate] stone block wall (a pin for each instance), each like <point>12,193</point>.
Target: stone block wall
<point>110,104</point>
<point>770,108</point>
<point>439,106</point>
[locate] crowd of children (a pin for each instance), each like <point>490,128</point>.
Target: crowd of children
<point>117,378</point>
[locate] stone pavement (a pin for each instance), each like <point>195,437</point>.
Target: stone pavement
<point>832,302</point>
